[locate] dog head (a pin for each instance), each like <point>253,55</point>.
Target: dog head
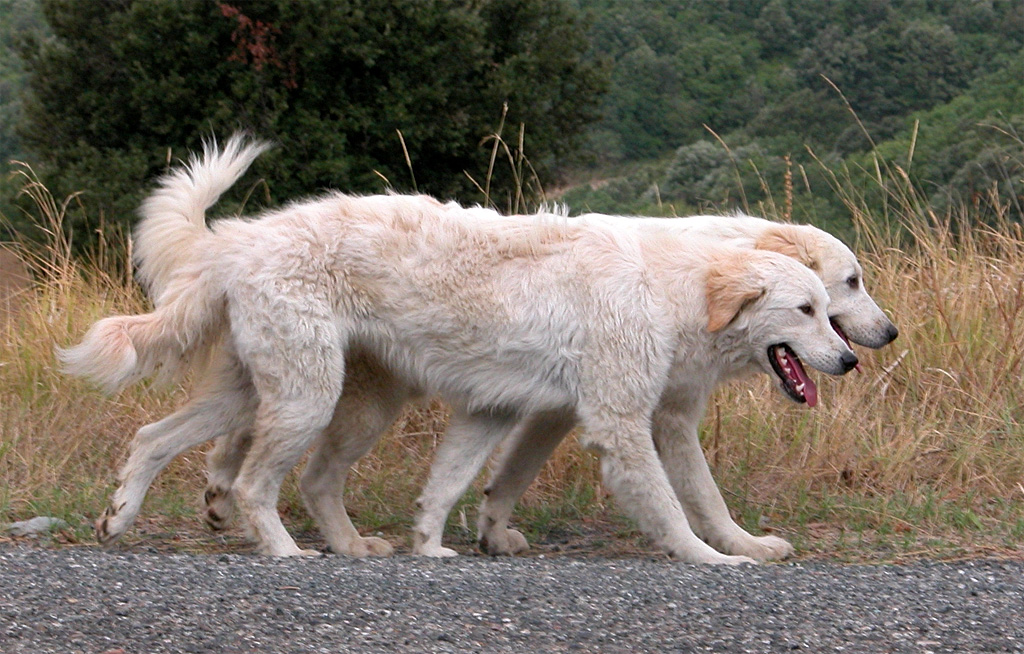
<point>778,309</point>
<point>854,314</point>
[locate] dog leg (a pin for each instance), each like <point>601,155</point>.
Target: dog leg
<point>370,402</point>
<point>469,440</point>
<point>632,472</point>
<point>224,461</point>
<point>222,465</point>
<point>675,436</point>
<point>222,403</point>
<point>284,429</point>
<point>298,380</point>
<point>521,460</point>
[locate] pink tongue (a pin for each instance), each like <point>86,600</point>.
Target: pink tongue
<point>810,390</point>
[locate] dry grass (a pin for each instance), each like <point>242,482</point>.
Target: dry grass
<point>923,453</point>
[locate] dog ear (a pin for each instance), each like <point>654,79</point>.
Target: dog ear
<point>730,287</point>
<point>790,241</point>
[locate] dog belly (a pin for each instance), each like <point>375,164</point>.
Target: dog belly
<point>493,377</point>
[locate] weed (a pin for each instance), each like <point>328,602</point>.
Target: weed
<point>901,458</point>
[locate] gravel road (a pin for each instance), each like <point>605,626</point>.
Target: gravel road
<point>87,600</point>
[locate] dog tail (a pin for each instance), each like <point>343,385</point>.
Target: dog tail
<point>174,215</point>
<point>173,263</point>
<point>121,350</point>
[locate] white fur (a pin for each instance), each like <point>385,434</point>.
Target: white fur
<point>592,321</point>
<point>676,420</point>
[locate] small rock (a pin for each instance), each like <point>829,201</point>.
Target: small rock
<point>35,526</point>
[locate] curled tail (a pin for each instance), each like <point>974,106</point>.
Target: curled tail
<point>120,350</point>
<point>180,274</point>
<point>174,215</point>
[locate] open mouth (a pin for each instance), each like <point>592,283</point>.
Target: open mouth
<point>795,381</point>
<point>842,335</point>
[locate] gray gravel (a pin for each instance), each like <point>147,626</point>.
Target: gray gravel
<point>88,600</point>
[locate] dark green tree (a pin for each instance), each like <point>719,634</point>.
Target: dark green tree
<point>124,85</point>
<point>674,72</point>
<point>887,71</point>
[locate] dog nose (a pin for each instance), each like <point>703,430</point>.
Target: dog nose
<point>849,361</point>
<point>891,333</point>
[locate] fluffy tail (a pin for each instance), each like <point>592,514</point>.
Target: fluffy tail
<point>180,275</point>
<point>120,350</point>
<point>174,215</point>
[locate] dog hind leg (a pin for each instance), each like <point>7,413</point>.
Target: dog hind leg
<point>285,427</point>
<point>469,440</point>
<point>224,460</point>
<point>370,402</point>
<point>298,378</point>
<point>222,465</point>
<point>221,404</point>
<point>521,460</point>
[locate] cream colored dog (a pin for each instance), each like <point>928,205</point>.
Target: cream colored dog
<point>467,444</point>
<point>597,321</point>
<point>853,313</point>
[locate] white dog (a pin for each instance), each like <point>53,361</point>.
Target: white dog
<point>467,444</point>
<point>505,318</point>
<point>854,315</point>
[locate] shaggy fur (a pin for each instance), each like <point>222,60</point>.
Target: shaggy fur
<point>853,314</point>
<point>851,310</point>
<point>321,319</point>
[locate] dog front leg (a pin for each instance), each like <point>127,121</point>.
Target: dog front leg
<point>634,475</point>
<point>678,445</point>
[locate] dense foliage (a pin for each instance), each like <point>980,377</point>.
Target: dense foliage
<point>16,17</point>
<point>731,100</point>
<point>753,104</point>
<point>339,85</point>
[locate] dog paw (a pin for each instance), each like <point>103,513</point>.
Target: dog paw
<point>734,560</point>
<point>219,508</point>
<point>287,551</point>
<point>503,542</point>
<point>435,551</point>
<point>377,547</point>
<point>111,525</point>
<point>710,558</point>
<point>363,547</point>
<point>762,548</point>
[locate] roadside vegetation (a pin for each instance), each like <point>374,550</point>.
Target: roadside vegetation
<point>895,124</point>
<point>921,455</point>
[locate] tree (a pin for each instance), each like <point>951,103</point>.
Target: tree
<point>125,84</point>
<point>887,71</point>
<point>16,16</point>
<point>778,31</point>
<point>674,72</point>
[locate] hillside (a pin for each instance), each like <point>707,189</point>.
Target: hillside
<point>762,105</point>
<point>757,105</point>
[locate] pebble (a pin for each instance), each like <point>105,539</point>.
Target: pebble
<point>35,526</point>
<point>84,599</point>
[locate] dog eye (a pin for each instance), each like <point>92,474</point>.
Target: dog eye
<point>807,310</point>
<point>853,281</point>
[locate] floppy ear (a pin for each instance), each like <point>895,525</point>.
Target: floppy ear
<point>792,242</point>
<point>730,286</point>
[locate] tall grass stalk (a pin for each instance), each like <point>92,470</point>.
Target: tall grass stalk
<point>926,444</point>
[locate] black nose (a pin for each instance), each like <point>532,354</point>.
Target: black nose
<point>849,361</point>
<point>891,333</point>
